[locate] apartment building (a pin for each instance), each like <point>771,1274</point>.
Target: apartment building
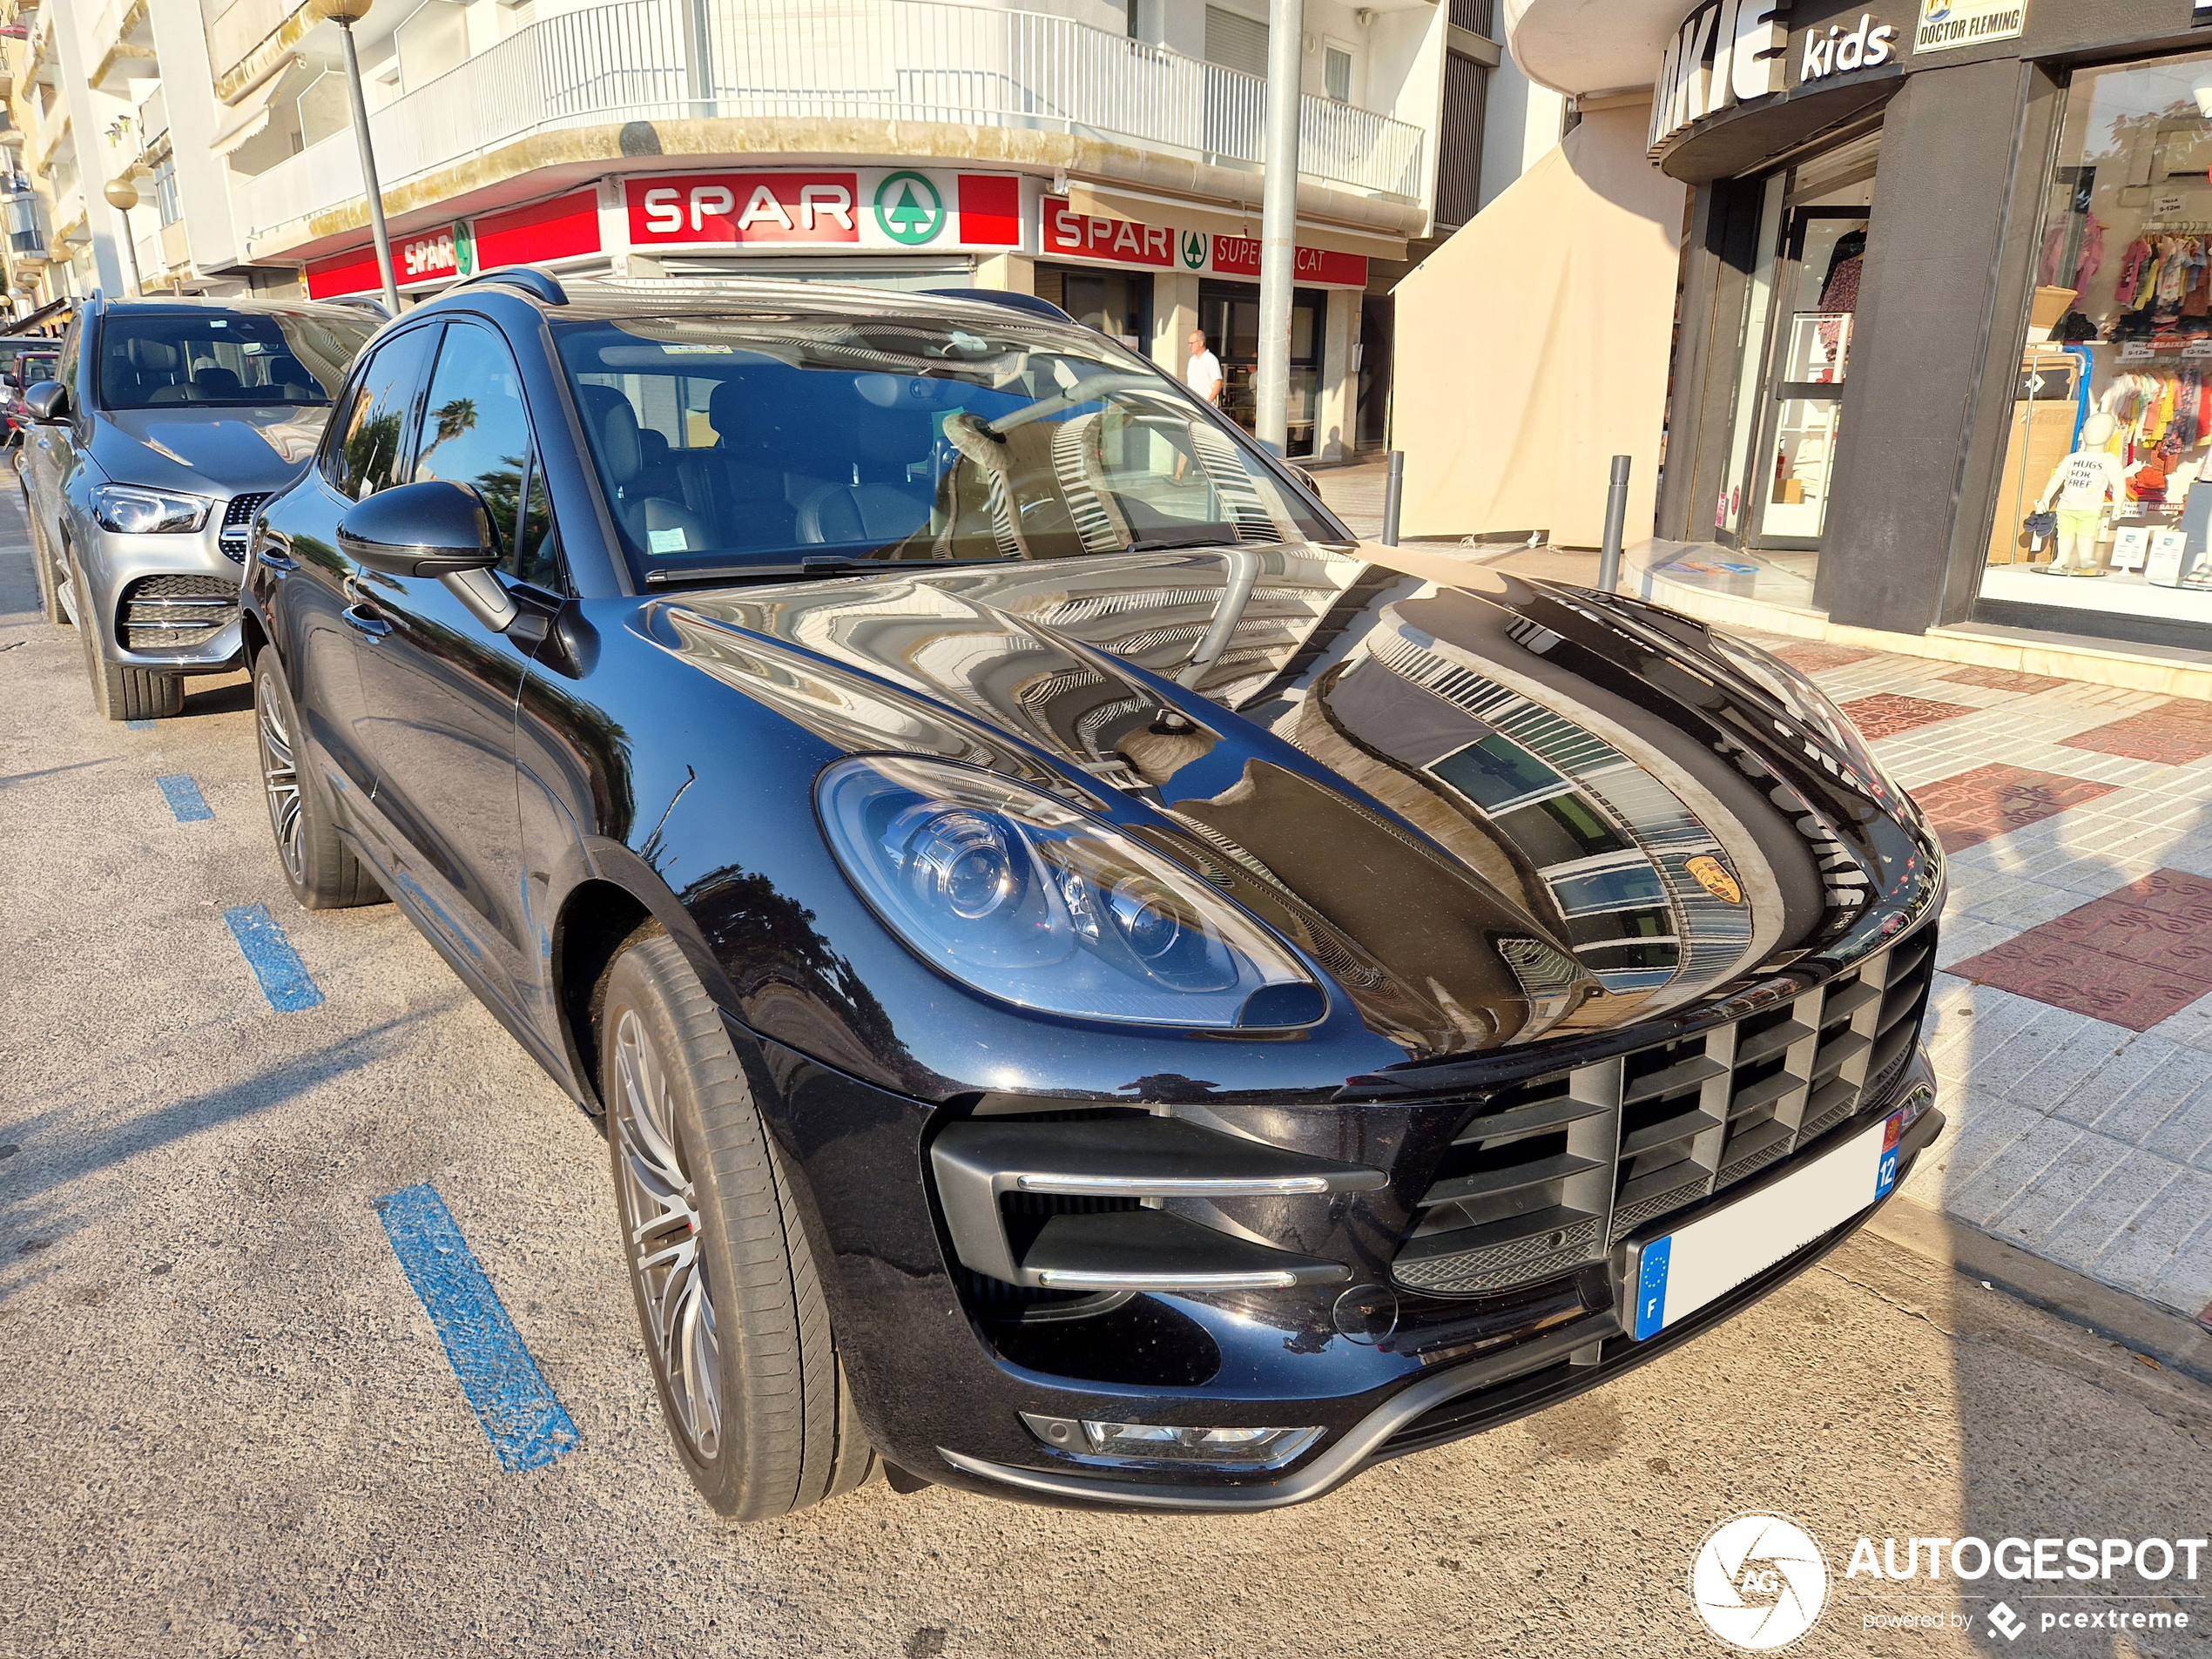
<point>1103,153</point>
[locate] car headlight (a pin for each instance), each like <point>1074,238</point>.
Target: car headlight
<point>1029,900</point>
<point>1809,707</point>
<point>135,510</point>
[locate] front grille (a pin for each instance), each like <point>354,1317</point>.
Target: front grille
<point>167,612</point>
<point>1547,1175</point>
<point>238,524</point>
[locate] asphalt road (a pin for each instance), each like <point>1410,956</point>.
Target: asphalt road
<point>226,1424</point>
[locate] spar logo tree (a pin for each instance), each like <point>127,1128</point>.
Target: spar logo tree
<point>908,208</point>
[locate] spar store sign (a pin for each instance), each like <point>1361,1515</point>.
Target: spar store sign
<point>559,228</point>
<point>886,208</point>
<point>1093,238</point>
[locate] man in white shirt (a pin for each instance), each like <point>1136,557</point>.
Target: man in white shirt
<point>1203,374</point>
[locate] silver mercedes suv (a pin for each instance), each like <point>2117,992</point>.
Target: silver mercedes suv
<point>168,423</point>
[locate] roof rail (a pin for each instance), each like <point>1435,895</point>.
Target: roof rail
<point>541,285</point>
<point>1028,302</point>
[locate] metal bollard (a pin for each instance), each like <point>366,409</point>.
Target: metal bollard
<point>1394,493</point>
<point>1616,514</point>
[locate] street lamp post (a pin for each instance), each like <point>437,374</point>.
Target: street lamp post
<point>122,195</point>
<point>1278,224</point>
<point>345,14</point>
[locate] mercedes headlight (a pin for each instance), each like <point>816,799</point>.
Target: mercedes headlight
<point>1809,706</point>
<point>135,510</point>
<point>1029,900</point>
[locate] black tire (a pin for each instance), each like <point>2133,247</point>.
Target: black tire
<point>321,870</point>
<point>119,693</point>
<point>751,1385</point>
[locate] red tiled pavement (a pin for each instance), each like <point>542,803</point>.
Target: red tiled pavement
<point>1886,714</point>
<point>1992,800</point>
<point>2004,679</point>
<point>2133,957</point>
<point>2174,734</point>
<point>1811,658</point>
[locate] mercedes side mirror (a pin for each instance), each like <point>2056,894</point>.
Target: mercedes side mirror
<point>431,529</point>
<point>47,402</point>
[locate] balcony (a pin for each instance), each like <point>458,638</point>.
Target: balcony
<point>879,60</point>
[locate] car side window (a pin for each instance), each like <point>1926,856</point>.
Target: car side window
<point>365,456</point>
<point>475,431</point>
<point>536,556</point>
<point>66,372</point>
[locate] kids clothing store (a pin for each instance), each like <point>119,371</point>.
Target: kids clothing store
<point>1944,352</point>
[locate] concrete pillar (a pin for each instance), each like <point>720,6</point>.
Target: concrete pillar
<point>1174,313</point>
<point>1007,272</point>
<point>1335,428</point>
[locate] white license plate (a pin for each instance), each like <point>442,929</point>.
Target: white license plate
<point>1675,1275</point>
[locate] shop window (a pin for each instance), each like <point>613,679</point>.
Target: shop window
<point>2110,423</point>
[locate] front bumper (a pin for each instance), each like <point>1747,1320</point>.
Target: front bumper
<point>1466,1399</point>
<point>943,1377</point>
<point>168,602</point>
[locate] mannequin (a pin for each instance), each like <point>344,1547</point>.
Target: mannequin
<point>2080,486</point>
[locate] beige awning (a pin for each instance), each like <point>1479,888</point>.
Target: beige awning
<point>245,117</point>
<point>1532,346</point>
<point>1145,208</point>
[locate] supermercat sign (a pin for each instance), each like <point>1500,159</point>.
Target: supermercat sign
<point>1732,51</point>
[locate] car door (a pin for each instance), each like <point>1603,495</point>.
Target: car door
<point>308,581</point>
<point>48,452</point>
<point>439,688</point>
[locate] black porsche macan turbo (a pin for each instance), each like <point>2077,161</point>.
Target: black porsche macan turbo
<point>1101,987</point>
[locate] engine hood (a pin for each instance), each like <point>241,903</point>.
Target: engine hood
<point>211,452</point>
<point>1492,810</point>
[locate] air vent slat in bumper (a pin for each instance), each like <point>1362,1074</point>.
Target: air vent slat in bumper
<point>982,1165</point>
<point>1683,1074</point>
<point>1490,1182</point>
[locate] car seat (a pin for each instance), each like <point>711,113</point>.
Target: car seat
<point>655,522</point>
<point>882,504</point>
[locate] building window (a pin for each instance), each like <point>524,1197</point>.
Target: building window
<point>2100,508</point>
<point>167,201</point>
<point>1336,72</point>
<point>1235,40</point>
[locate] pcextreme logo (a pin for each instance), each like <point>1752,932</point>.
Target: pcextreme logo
<point>1759,1582</point>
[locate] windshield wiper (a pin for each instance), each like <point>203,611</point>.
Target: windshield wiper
<point>1198,535</point>
<point>805,568</point>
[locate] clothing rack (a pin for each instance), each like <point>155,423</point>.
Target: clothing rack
<point>2175,227</point>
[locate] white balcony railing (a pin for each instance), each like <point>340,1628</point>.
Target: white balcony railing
<point>893,60</point>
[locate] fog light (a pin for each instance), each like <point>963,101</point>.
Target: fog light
<point>1162,1444</point>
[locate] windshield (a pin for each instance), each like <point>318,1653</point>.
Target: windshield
<point>727,443</point>
<point>149,358</point>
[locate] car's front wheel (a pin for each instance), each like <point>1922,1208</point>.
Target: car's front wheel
<point>323,873</point>
<point>732,1309</point>
<point>121,692</point>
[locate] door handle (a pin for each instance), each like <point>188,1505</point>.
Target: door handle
<point>364,621</point>
<point>275,551</point>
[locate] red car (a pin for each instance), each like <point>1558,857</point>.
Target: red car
<point>27,369</point>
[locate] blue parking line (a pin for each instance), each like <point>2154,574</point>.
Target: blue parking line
<point>524,1421</point>
<point>138,725</point>
<point>284,977</point>
<point>185,798</point>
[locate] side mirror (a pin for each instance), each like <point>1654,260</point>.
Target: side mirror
<point>47,402</point>
<point>431,529</point>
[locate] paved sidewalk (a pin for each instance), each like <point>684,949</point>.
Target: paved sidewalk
<point>2073,1025</point>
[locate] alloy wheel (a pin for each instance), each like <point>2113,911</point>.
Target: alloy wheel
<point>281,781</point>
<point>660,1215</point>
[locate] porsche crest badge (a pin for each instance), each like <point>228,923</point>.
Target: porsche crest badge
<point>1716,878</point>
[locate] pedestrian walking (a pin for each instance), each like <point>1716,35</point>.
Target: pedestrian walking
<point>1202,375</point>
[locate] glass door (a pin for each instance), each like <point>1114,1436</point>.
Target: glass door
<point>1230,315</point>
<point>1810,357</point>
